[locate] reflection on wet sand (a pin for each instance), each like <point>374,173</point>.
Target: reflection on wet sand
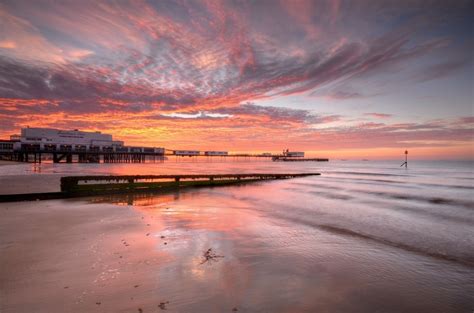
<point>309,268</point>
<point>139,198</point>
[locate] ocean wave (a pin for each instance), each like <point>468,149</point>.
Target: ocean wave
<point>440,255</point>
<point>431,200</point>
<point>368,174</point>
<point>394,195</point>
<point>468,261</point>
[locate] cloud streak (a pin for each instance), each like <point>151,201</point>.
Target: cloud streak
<point>378,115</point>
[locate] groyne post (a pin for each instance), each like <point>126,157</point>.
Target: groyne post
<point>406,160</point>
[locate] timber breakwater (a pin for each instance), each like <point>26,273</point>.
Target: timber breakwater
<point>78,186</point>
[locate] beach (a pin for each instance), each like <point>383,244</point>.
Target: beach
<point>361,238</point>
<point>3,162</point>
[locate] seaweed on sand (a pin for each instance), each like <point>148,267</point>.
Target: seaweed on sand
<point>210,255</point>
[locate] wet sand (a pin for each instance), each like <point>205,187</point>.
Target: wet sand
<point>20,184</point>
<point>58,257</point>
<point>93,256</point>
<point>3,162</point>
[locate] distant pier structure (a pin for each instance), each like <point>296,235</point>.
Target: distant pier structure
<point>75,146</point>
<point>37,144</point>
<point>293,156</point>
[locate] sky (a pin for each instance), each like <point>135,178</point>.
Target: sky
<point>339,79</point>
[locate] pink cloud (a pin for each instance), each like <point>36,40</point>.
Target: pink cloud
<point>378,115</point>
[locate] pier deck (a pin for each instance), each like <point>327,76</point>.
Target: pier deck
<point>285,159</point>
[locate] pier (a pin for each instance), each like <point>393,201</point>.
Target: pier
<point>40,155</point>
<point>285,159</point>
<point>36,145</point>
<point>79,186</point>
<point>37,156</point>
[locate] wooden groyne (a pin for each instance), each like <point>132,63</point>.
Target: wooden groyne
<point>77,186</point>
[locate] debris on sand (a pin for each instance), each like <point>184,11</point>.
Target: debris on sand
<point>140,310</point>
<point>148,234</point>
<point>162,237</point>
<point>210,255</point>
<point>136,286</point>
<point>234,309</point>
<point>162,305</point>
<point>98,303</point>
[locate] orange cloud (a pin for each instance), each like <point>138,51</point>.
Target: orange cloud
<point>8,44</point>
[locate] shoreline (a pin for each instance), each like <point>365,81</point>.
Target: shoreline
<point>5,162</point>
